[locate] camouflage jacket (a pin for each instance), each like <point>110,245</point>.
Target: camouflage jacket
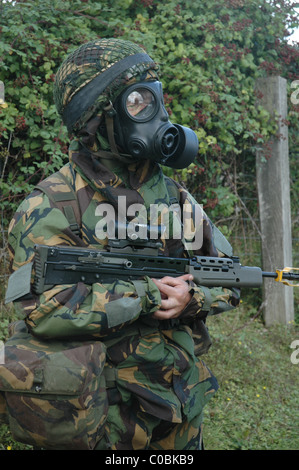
<point>178,377</point>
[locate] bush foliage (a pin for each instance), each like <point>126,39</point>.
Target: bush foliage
<point>210,54</point>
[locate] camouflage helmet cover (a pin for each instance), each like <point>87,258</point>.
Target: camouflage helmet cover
<point>95,74</point>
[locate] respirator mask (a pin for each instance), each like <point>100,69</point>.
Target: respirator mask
<point>142,127</point>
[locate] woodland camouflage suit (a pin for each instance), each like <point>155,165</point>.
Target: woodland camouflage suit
<point>161,383</point>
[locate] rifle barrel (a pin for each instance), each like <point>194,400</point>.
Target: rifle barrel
<point>286,276</point>
<point>268,274</point>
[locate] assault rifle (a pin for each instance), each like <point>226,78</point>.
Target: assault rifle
<point>127,260</point>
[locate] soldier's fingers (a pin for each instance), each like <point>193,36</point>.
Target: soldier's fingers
<point>167,304</point>
<point>166,314</point>
<point>164,288</point>
<point>174,281</point>
<point>177,291</point>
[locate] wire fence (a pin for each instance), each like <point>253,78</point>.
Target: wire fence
<point>245,240</point>
<point>246,243</point>
<point>243,226</point>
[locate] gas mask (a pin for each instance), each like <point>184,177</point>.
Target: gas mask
<point>142,128</point>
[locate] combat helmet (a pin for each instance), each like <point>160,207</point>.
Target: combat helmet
<point>93,76</point>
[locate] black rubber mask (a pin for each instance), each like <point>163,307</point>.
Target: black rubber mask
<point>143,130</point>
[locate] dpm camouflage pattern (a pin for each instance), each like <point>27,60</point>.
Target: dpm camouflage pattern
<point>55,392</point>
<point>163,388</point>
<point>159,377</point>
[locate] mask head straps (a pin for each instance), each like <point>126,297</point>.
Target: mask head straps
<point>110,112</point>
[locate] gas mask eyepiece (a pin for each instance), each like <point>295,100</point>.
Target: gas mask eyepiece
<point>141,104</point>
<point>143,130</point>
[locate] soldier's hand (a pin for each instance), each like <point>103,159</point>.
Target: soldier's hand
<point>175,296</point>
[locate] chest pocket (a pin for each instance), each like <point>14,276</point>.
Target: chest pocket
<point>60,192</point>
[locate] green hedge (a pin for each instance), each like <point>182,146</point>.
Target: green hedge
<point>210,54</point>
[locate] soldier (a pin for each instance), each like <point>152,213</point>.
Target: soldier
<point>110,98</point>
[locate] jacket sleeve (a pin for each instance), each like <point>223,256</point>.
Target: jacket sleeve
<point>71,310</point>
<point>210,242</point>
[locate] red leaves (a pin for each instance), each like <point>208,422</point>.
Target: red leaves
<point>21,123</point>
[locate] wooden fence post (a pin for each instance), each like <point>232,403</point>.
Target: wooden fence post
<point>274,204</point>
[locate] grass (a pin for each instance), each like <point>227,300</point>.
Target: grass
<point>257,405</point>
